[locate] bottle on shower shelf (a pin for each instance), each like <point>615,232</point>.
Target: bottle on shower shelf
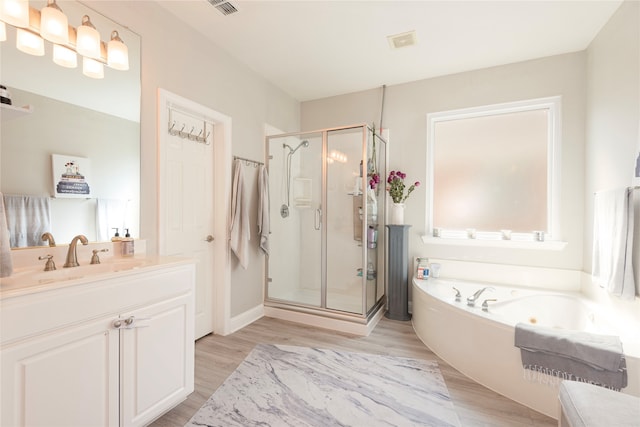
<point>372,237</point>
<point>371,272</point>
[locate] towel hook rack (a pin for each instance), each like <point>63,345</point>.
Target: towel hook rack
<point>248,162</point>
<point>202,136</point>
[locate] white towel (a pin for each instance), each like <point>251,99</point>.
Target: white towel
<point>110,214</point>
<point>240,231</point>
<point>263,209</point>
<point>28,217</point>
<point>6,263</point>
<point>613,242</point>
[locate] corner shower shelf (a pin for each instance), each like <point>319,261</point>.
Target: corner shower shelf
<point>10,112</point>
<point>302,192</point>
<point>302,203</point>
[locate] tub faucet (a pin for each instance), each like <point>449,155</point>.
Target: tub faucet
<point>72,258</point>
<point>485,304</point>
<point>471,301</point>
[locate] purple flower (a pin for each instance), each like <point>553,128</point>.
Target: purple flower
<point>396,188</point>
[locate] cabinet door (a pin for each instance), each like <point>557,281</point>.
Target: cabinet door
<point>157,359</point>
<point>64,378</point>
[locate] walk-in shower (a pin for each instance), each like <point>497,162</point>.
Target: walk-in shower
<point>327,241</point>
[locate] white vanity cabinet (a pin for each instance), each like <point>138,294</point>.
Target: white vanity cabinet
<point>116,351</point>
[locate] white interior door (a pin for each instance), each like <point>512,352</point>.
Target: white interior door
<point>187,199</point>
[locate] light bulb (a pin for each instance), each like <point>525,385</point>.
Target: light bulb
<point>64,57</point>
<point>88,39</point>
<point>29,43</point>
<point>92,68</point>
<point>15,12</point>
<point>117,53</point>
<point>54,25</point>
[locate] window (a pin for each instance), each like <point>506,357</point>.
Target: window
<point>493,171</point>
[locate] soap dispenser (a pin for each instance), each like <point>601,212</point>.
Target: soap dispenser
<point>127,244</point>
<point>116,237</point>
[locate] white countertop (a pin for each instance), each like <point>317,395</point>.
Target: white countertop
<point>34,279</point>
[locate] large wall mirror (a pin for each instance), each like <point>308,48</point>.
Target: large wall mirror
<point>91,122</point>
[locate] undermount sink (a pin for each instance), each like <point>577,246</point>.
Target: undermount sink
<point>110,266</point>
<point>36,276</point>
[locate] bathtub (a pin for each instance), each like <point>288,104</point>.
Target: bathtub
<point>480,343</point>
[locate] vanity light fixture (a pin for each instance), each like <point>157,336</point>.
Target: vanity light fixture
<point>30,43</point>
<point>92,68</point>
<point>34,26</point>
<point>117,53</point>
<point>54,25</point>
<point>64,56</point>
<point>15,12</point>
<point>88,39</point>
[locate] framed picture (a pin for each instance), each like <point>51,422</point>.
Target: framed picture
<point>71,176</point>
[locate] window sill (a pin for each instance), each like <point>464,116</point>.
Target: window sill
<point>547,245</point>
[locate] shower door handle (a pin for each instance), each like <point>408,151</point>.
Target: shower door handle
<point>317,219</point>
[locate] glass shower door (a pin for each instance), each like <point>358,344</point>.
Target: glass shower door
<point>294,269</point>
<point>346,221</point>
<point>376,251</point>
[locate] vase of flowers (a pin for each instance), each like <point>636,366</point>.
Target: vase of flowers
<point>396,188</point>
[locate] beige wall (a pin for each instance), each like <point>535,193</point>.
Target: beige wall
<point>613,116</point>
<point>405,110</point>
<point>177,58</point>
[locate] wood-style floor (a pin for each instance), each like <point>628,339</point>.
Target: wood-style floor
<point>217,357</point>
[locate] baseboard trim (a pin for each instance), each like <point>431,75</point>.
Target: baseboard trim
<point>319,321</point>
<point>243,319</point>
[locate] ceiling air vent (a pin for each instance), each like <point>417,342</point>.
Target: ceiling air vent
<point>225,7</point>
<point>402,40</point>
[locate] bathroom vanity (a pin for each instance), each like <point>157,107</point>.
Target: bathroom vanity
<point>110,344</point>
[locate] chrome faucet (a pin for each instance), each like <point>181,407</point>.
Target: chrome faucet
<point>49,237</point>
<point>72,257</point>
<point>471,301</point>
<point>485,304</point>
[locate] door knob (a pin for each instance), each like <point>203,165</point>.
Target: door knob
<point>209,238</point>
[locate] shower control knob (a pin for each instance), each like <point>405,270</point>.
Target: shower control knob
<point>209,238</point>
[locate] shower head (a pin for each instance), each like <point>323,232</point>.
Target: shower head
<point>304,143</point>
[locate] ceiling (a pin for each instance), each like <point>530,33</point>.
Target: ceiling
<point>317,49</point>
